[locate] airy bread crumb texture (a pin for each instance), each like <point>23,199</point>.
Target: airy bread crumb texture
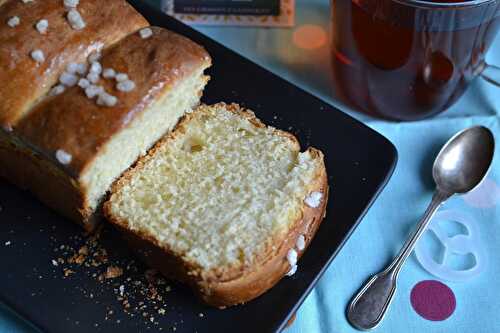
<point>119,154</point>
<point>220,191</point>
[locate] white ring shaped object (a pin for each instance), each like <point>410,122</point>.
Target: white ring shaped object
<point>461,244</point>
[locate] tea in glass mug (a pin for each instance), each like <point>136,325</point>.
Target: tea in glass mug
<point>410,59</point>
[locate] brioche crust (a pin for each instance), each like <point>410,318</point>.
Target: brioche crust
<point>236,285</point>
<point>24,81</point>
<point>76,124</point>
<point>30,171</point>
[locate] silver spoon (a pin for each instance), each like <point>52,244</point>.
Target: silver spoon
<point>460,166</point>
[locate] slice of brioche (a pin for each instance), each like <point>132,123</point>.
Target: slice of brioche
<point>223,203</point>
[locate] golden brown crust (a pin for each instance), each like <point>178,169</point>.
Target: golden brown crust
<point>23,80</point>
<point>79,126</point>
<point>233,286</point>
<point>29,171</point>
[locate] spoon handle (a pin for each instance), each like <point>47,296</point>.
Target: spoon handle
<point>368,307</point>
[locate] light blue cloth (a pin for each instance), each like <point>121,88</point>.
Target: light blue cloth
<point>384,229</point>
<point>400,205</point>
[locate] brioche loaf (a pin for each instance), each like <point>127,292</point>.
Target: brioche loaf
<point>106,89</point>
<point>222,203</point>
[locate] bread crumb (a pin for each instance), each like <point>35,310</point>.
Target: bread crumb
<point>84,250</point>
<point>113,272</point>
<point>142,291</point>
<point>68,272</point>
<point>54,263</point>
<point>8,243</point>
<point>80,259</point>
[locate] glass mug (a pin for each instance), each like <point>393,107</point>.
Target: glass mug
<point>411,59</point>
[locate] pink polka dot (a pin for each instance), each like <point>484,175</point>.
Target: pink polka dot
<point>433,300</point>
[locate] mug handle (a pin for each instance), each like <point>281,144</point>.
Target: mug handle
<point>491,73</point>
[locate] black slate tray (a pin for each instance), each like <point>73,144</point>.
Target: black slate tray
<point>359,161</point>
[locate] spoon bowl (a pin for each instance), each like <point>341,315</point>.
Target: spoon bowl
<point>464,161</point>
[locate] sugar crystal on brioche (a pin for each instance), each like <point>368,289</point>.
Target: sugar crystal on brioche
<point>68,79</point>
<point>42,26</point>
<point>38,55</point>
<point>314,199</point>
<point>292,270</point>
<point>109,73</point>
<point>14,21</point>
<point>126,86</point>
<point>71,3</point>
<point>301,243</point>
<point>63,157</point>
<point>75,20</point>
<point>83,83</point>
<point>146,33</point>
<point>121,77</point>
<point>57,90</point>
